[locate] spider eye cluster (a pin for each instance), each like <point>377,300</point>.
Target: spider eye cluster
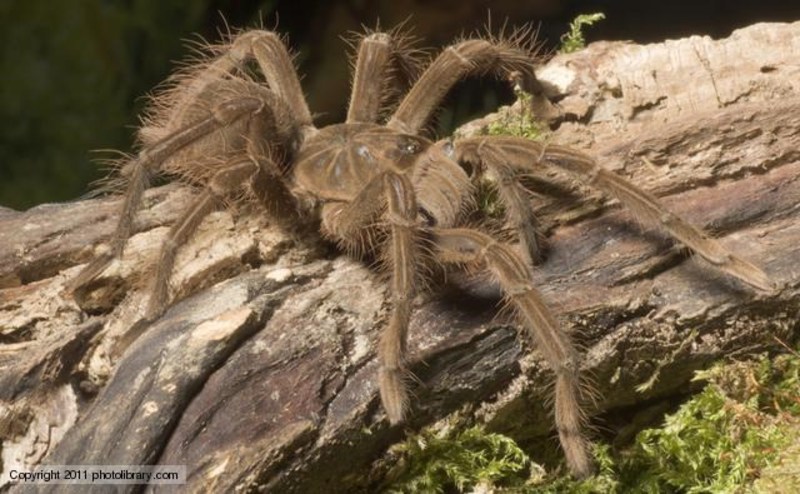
<point>404,149</point>
<point>409,147</point>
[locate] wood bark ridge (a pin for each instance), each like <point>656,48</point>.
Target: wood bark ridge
<point>264,375</point>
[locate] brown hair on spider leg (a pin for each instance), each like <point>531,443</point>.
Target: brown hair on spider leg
<point>236,120</point>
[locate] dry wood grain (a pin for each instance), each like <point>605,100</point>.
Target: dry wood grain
<point>268,377</point>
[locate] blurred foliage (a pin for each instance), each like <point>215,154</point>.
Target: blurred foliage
<point>73,77</point>
<point>739,434</point>
<point>74,73</point>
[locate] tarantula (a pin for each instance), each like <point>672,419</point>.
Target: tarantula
<point>382,187</point>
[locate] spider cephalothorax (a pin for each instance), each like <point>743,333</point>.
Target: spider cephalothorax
<point>236,124</point>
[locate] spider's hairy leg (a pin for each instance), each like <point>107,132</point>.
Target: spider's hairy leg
<point>274,196</point>
<point>269,183</point>
<point>169,108</point>
<point>148,161</point>
<point>525,154</point>
<point>402,209</point>
<point>472,56</point>
<point>351,224</point>
<point>276,64</point>
<point>266,182</point>
<point>382,58</point>
<point>138,182</point>
<point>396,194</point>
<point>222,183</point>
<point>374,52</point>
<point>460,246</point>
<point>515,200</point>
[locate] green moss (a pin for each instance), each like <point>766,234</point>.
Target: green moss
<point>604,481</point>
<point>574,39</point>
<point>710,445</point>
<point>518,120</point>
<point>434,462</point>
<point>722,438</point>
<point>743,425</point>
<point>783,475</point>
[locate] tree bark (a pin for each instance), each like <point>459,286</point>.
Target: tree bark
<point>263,375</point>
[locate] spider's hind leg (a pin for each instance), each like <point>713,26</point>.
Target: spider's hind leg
<point>169,107</point>
<point>465,246</point>
<point>524,155</point>
<point>148,161</point>
<point>266,182</point>
<point>515,199</point>
<point>223,182</point>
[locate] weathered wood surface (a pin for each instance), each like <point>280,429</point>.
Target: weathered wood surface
<point>268,378</point>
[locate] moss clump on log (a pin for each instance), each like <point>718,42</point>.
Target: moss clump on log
<point>721,440</point>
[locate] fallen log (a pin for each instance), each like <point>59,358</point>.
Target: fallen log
<point>263,375</point>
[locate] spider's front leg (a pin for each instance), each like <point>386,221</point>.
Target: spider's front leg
<point>382,59</point>
<point>523,155</point>
<point>196,81</point>
<point>390,195</point>
<point>464,246</point>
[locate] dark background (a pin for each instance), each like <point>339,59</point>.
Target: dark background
<point>73,74</point>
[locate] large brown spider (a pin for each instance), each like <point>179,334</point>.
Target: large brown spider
<point>383,188</point>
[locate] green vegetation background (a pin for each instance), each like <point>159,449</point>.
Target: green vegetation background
<point>72,79</point>
<point>73,74</point>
